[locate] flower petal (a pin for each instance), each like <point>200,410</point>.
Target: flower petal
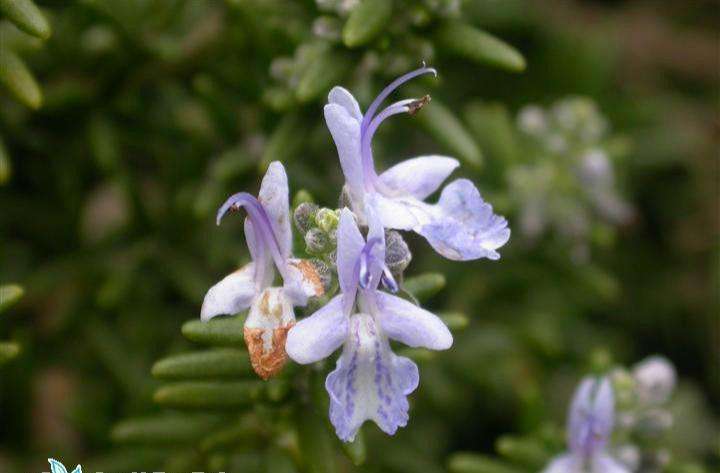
<point>464,226</point>
<point>419,176</point>
<point>345,130</point>
<point>400,213</point>
<point>270,318</point>
<point>263,265</point>
<point>370,382</point>
<point>302,281</point>
<point>564,464</point>
<point>274,198</point>
<point>606,464</point>
<point>316,337</point>
<point>591,416</point>
<point>345,99</point>
<point>349,245</point>
<point>407,323</point>
<point>231,295</point>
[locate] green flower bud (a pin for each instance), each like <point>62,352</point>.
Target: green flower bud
<point>327,219</point>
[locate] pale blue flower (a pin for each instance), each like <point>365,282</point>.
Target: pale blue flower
<point>369,382</point>
<point>592,415</point>
<point>461,226</point>
<point>57,467</point>
<point>269,238</point>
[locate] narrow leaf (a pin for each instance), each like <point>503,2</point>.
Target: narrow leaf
<point>475,44</point>
<point>526,452</point>
<point>425,285</point>
<point>316,445</point>
<point>9,295</point>
<point>18,79</point>
<point>455,320</point>
<point>366,21</point>
<point>209,395</point>
<point>320,75</point>
<point>26,16</point>
<point>225,331</point>
<point>447,129</point>
<point>220,363</point>
<point>356,450</point>
<point>165,429</point>
<point>473,463</point>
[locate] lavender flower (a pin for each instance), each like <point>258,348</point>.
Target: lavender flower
<point>268,236</point>
<point>461,226</point>
<point>369,382</point>
<point>589,429</point>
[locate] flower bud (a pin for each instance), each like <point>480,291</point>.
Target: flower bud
<point>655,377</point>
<point>397,253</point>
<point>304,216</point>
<point>326,219</point>
<point>316,241</point>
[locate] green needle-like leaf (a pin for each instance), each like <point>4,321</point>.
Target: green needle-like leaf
<point>226,331</point>
<point>26,16</point>
<point>316,444</point>
<point>221,363</point>
<point>366,21</point>
<point>320,75</point>
<point>165,429</point>
<point>18,79</point>
<point>425,285</point>
<point>209,395</point>
<point>447,129</point>
<point>472,463</point>
<point>356,450</point>
<point>9,295</point>
<point>527,452</point>
<point>472,43</point>
<point>455,320</point>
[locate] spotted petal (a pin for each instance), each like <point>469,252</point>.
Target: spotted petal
<point>232,294</point>
<point>464,226</point>
<point>370,382</point>
<point>273,196</point>
<point>419,177</point>
<point>407,323</point>
<point>316,337</point>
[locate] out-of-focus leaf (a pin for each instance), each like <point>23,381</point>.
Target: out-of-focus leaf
<point>473,463</point>
<point>136,458</point>
<point>320,75</point>
<point>104,145</point>
<point>209,395</point>
<point>8,351</point>
<point>226,331</point>
<point>366,21</point>
<point>316,444</point>
<point>165,429</point>
<point>478,45</point>
<point>219,363</point>
<point>26,16</point>
<point>247,432</point>
<point>417,354</point>
<point>5,165</point>
<point>277,461</point>
<point>9,295</point>
<point>449,131</point>
<point>284,141</point>
<point>18,79</point>
<point>455,320</point>
<point>425,285</point>
<point>526,452</point>
<point>494,129</point>
<point>356,450</point>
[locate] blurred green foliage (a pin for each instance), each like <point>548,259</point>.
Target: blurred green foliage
<point>123,130</point>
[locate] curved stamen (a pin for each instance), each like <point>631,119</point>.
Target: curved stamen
<point>388,280</point>
<point>369,114</point>
<point>264,233</point>
<point>365,260</point>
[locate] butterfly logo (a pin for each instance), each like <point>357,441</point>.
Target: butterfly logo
<point>57,467</point>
